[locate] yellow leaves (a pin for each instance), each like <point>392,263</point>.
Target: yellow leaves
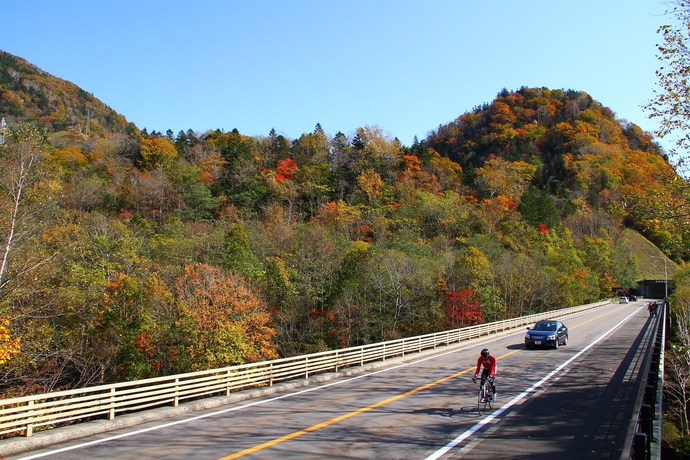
<point>9,347</point>
<point>70,156</point>
<point>447,171</point>
<point>359,246</point>
<point>378,144</point>
<point>509,178</point>
<point>586,128</point>
<point>371,183</point>
<point>564,131</point>
<point>157,152</point>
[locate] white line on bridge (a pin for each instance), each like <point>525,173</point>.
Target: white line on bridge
<point>236,408</point>
<point>320,387</point>
<point>521,396</point>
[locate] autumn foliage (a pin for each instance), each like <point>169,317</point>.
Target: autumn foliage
<point>137,254</point>
<point>463,308</point>
<point>226,323</point>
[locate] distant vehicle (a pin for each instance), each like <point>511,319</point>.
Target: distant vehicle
<point>633,298</point>
<point>623,300</point>
<point>546,334</point>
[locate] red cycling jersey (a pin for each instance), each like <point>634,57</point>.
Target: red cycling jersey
<point>488,363</point>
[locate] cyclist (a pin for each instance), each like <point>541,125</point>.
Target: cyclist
<point>488,363</point>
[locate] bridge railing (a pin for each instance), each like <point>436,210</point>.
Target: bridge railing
<point>644,437</point>
<point>23,415</point>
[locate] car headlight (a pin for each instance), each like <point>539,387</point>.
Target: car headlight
<point>552,337</point>
<point>527,336</point>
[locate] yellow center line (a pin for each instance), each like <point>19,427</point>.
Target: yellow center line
<point>340,418</point>
<point>318,426</point>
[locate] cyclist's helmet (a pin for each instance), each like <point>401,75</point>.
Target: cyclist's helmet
<point>485,352</point>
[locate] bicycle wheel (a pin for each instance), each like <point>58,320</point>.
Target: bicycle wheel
<point>481,401</point>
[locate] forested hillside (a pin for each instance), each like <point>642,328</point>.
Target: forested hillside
<point>128,254</point>
<point>53,104</point>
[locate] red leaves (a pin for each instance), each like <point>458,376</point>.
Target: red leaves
<point>286,169</point>
<point>462,308</point>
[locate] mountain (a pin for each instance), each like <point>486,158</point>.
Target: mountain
<point>28,94</point>
<point>585,161</point>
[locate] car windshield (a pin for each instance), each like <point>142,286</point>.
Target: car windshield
<point>545,327</point>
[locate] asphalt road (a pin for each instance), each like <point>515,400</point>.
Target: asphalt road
<point>571,403</point>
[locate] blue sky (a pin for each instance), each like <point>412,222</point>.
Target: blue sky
<point>404,66</point>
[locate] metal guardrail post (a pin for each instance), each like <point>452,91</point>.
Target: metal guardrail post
<point>650,399</point>
<point>111,412</point>
<point>30,426</point>
<point>646,424</point>
<point>176,393</point>
<point>640,451</point>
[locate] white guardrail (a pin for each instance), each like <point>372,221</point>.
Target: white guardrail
<point>21,416</point>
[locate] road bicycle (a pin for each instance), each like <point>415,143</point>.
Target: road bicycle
<point>485,396</point>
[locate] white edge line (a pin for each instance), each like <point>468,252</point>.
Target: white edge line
<point>235,408</point>
<point>522,395</point>
<point>337,382</point>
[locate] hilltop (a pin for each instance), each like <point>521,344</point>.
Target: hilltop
<point>31,95</point>
<point>588,163</point>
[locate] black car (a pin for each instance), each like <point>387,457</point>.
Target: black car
<point>546,334</point>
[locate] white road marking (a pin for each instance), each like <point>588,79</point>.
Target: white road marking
<point>521,396</point>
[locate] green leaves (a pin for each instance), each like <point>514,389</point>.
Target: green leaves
<point>164,255</point>
<point>671,102</point>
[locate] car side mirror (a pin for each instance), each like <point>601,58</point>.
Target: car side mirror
<point>528,329</point>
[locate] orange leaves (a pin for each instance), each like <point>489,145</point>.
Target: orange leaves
<point>330,213</point>
<point>506,203</point>
<point>414,176</point>
<point>229,325</point>
<point>501,113</point>
<point>286,169</point>
<point>412,163</point>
